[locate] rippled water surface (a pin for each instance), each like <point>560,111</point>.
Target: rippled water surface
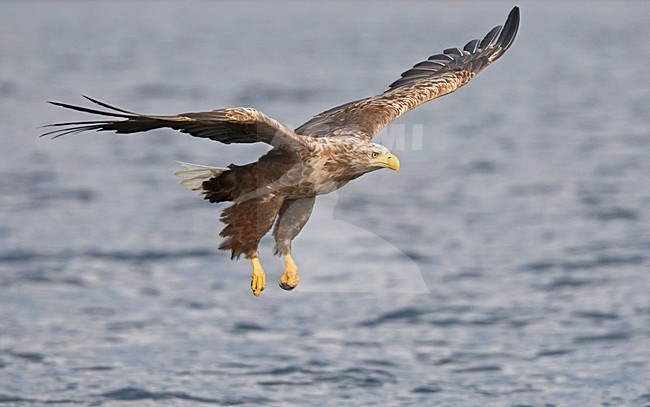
<point>507,264</point>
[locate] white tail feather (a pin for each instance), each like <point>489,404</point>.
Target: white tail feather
<point>195,174</point>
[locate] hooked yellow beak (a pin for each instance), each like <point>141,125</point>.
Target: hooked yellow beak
<point>390,161</point>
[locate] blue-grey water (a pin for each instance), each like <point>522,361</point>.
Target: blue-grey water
<point>507,264</point>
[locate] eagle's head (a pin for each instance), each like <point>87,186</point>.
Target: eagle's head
<point>371,156</point>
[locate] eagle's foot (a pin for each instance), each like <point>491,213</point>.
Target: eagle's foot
<point>258,278</point>
<point>289,278</point>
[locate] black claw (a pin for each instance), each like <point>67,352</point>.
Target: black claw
<point>286,286</point>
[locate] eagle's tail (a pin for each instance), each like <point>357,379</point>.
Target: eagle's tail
<point>195,175</point>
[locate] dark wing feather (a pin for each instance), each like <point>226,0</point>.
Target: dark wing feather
<point>235,125</point>
<point>439,75</point>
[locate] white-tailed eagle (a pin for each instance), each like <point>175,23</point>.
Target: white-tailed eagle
<point>319,157</point>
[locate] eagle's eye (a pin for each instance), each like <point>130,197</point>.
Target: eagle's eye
<point>375,154</point>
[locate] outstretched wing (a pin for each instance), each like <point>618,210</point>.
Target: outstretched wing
<point>439,75</point>
<point>235,125</point>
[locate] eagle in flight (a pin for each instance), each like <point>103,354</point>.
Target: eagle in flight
<point>319,157</point>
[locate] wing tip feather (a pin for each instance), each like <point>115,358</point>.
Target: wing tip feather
<point>510,29</point>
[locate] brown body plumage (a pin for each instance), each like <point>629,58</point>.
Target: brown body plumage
<point>317,158</point>
<point>259,189</point>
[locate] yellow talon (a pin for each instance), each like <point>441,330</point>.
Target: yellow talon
<point>258,278</point>
<point>289,278</point>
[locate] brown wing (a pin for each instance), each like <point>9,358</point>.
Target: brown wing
<point>439,75</point>
<point>235,125</point>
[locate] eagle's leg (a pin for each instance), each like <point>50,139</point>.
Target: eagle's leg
<point>292,217</point>
<point>258,278</point>
<point>246,222</point>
